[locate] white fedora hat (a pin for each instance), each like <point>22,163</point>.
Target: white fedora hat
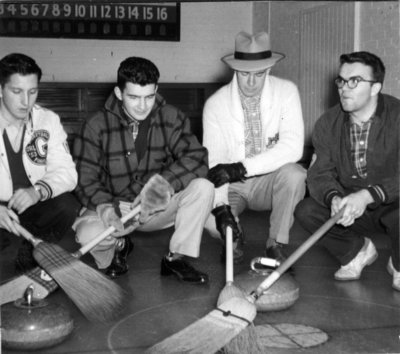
<point>252,53</point>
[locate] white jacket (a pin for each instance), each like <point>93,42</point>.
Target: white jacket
<point>282,129</point>
<point>45,155</point>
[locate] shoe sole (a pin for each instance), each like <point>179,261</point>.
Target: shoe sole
<point>372,260</point>
<point>167,272</point>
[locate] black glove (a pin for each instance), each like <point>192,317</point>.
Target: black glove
<point>226,172</point>
<point>224,218</point>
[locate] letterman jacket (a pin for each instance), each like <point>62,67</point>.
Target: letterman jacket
<point>45,156</point>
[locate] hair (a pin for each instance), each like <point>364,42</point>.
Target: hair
<point>369,59</point>
<point>137,71</point>
<point>17,63</point>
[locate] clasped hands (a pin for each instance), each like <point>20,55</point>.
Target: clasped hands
<point>154,197</point>
<point>226,173</point>
<point>354,206</point>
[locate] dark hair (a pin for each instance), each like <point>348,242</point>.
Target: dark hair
<point>369,59</point>
<point>17,63</point>
<point>137,71</point>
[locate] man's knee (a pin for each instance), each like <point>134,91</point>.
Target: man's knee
<point>67,207</point>
<point>203,188</point>
<point>88,227</point>
<point>293,175</point>
<point>307,210</point>
<point>303,209</point>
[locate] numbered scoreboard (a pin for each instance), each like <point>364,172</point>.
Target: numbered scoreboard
<point>97,20</point>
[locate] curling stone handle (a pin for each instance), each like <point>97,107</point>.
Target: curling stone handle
<point>27,235</point>
<point>303,248</point>
<point>107,232</point>
<point>268,262</point>
<point>28,295</point>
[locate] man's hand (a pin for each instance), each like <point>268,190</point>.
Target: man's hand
<point>109,216</point>
<point>226,173</point>
<point>7,219</point>
<point>23,198</point>
<point>223,219</point>
<point>355,205</point>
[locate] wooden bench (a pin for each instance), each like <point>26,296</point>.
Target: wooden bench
<point>75,102</point>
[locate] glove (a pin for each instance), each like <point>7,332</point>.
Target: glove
<point>223,218</point>
<point>110,215</point>
<point>224,173</point>
<point>154,197</point>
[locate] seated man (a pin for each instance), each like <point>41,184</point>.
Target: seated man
<point>356,167</point>
<point>253,130</point>
<point>135,136</point>
<point>36,169</point>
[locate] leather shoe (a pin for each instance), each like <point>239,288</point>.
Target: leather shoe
<point>238,254</point>
<point>183,271</point>
<point>276,252</point>
<point>119,264</point>
<point>366,256</point>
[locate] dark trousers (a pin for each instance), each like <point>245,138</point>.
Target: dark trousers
<point>49,220</point>
<point>345,242</point>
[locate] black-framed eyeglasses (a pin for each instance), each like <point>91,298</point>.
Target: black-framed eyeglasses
<point>351,82</point>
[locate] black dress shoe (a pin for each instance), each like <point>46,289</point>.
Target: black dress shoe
<point>183,271</point>
<point>276,252</point>
<point>119,264</point>
<point>238,254</point>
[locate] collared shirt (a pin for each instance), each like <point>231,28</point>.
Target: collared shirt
<point>252,120</point>
<point>359,144</point>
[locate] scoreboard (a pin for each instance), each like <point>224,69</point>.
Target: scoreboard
<point>97,20</point>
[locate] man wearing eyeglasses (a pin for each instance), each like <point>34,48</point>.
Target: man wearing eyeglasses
<point>356,167</point>
<point>254,132</point>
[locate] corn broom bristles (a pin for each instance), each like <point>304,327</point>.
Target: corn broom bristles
<point>99,298</point>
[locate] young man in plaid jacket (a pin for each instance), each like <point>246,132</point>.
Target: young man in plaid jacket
<point>135,136</point>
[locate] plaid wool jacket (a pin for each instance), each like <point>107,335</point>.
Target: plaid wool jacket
<point>106,161</point>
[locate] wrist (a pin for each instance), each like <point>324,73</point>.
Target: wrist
<point>367,196</point>
<point>38,191</point>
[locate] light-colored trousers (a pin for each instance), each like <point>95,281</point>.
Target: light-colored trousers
<point>188,210</point>
<point>278,191</point>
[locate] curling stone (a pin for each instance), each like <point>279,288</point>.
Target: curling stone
<point>280,296</point>
<point>31,324</point>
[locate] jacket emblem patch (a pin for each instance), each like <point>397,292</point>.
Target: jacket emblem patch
<point>37,147</point>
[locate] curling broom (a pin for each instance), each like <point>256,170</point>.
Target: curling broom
<point>209,334</point>
<point>98,297</point>
<point>230,290</point>
<point>215,330</point>
<point>303,248</point>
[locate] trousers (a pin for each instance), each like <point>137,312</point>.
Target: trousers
<point>188,211</point>
<point>278,191</point>
<point>344,243</point>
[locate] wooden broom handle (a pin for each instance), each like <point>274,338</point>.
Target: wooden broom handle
<point>27,235</point>
<point>303,248</point>
<point>107,232</point>
<point>229,254</point>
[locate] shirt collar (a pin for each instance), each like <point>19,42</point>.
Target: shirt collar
<point>246,100</point>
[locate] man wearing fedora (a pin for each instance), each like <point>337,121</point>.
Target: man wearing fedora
<point>254,132</point>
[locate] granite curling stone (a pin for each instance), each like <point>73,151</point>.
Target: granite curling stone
<point>31,324</point>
